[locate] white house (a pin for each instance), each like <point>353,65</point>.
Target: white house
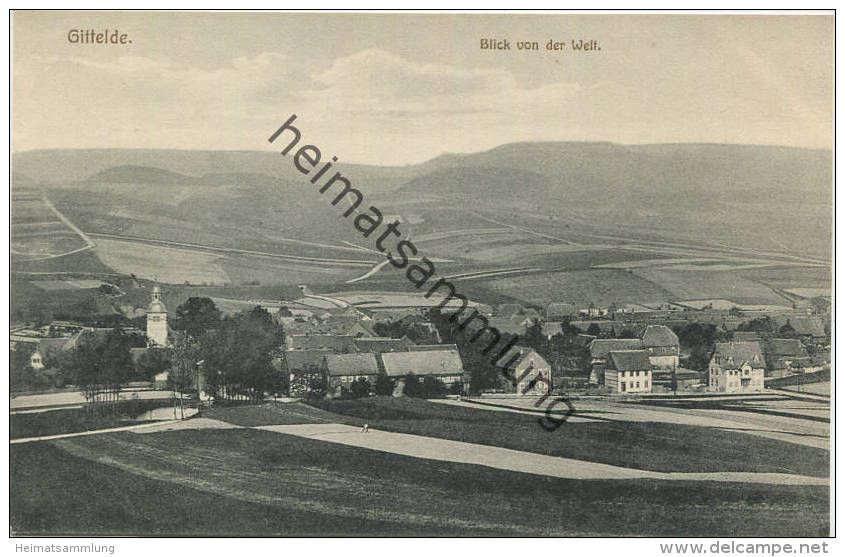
<point>628,371</point>
<point>736,367</point>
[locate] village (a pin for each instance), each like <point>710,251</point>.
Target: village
<point>394,344</point>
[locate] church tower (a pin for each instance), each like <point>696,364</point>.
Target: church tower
<point>157,320</point>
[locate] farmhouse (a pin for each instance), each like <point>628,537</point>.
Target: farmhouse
<point>530,373</point>
<point>784,356</point>
<point>342,344</point>
<point>445,365</point>
<point>662,345</point>
<point>344,369</point>
<point>628,371</point>
<point>736,367</point>
<point>378,345</point>
<point>600,350</point>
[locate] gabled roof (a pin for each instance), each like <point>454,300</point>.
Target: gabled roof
<point>383,344</point>
<point>514,357</point>
<point>601,347</point>
<point>339,343</point>
<point>430,362</point>
<point>54,344</point>
<point>776,347</point>
<point>302,359</point>
<point>809,325</point>
<point>733,354</point>
<point>630,360</point>
<point>351,364</point>
<point>560,309</point>
<point>656,336</point>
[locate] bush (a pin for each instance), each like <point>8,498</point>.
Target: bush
<point>433,387</point>
<point>360,388</point>
<point>413,387</point>
<point>384,385</point>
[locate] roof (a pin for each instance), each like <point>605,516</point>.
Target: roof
<point>521,353</point>
<point>630,360</point>
<point>551,328</point>
<point>430,362</point>
<point>337,343</point>
<point>301,359</point>
<point>560,309</point>
<point>745,336</point>
<point>54,344</point>
<point>737,353</point>
<point>784,347</point>
<point>657,336</point>
<point>426,347</point>
<point>383,344</point>
<point>601,347</point>
<point>351,364</point>
<point>603,325</point>
<point>812,326</point>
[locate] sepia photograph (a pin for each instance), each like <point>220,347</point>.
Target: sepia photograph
<point>418,274</point>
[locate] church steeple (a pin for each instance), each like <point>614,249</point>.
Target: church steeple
<point>157,320</point>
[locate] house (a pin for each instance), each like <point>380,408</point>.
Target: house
<point>47,346</point>
<point>529,372</point>
<point>745,336</point>
<point>662,345</point>
<point>736,367</point>
<point>600,350</point>
<point>628,371</point>
<point>301,360</point>
<point>378,345</point>
<point>445,365</point>
<point>160,381</point>
<point>558,311</point>
<point>606,328</point>
<point>344,369</point>
<point>784,356</point>
<point>342,344</point>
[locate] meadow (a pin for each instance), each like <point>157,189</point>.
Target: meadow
<point>252,482</point>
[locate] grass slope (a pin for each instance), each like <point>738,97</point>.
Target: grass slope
<point>248,482</point>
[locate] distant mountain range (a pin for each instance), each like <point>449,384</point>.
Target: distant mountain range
<point>776,197</point>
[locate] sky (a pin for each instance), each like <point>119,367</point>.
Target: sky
<point>396,89</point>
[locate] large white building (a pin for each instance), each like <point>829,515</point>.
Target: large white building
<point>629,371</point>
<point>157,320</point>
<point>737,367</point>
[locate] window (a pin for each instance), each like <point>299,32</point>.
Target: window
<point>645,384</point>
<point>638,384</point>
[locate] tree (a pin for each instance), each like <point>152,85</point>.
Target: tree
<point>594,329</point>
<point>239,356</point>
<point>151,363</point>
<point>413,387</point>
<point>197,316</point>
<point>21,374</point>
<point>360,388</point>
<point>384,385</point>
<point>433,387</point>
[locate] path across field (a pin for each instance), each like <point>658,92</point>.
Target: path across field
<point>519,461</point>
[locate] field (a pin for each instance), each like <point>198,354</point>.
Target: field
<point>600,286</point>
<point>166,264</point>
<point>257,482</point>
<point>696,285</point>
